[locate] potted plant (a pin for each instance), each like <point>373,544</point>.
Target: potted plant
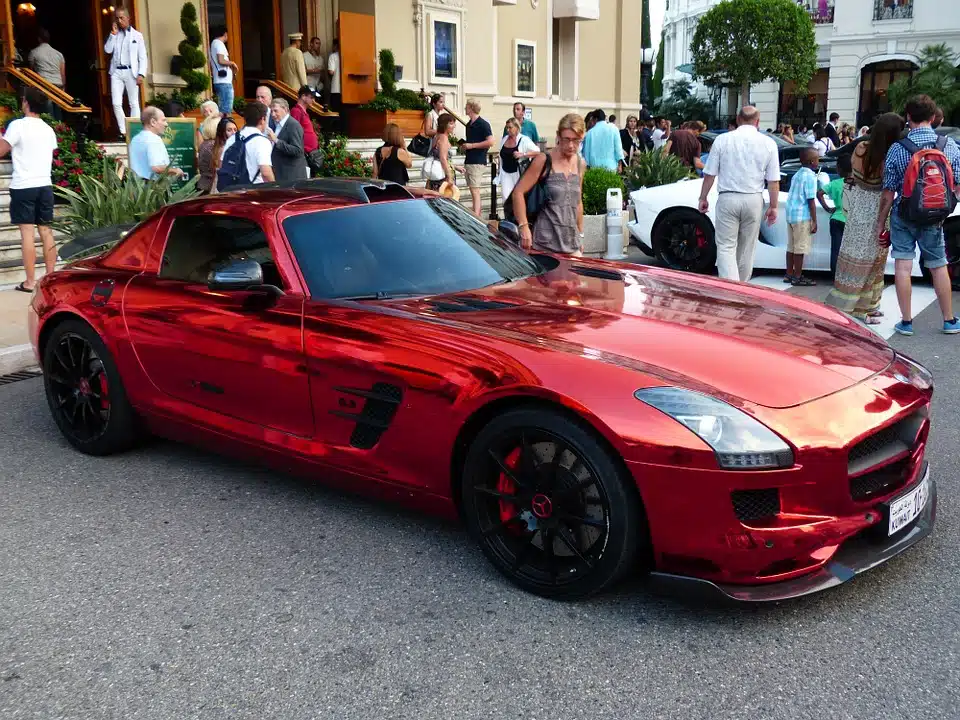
<point>404,107</point>
<point>652,169</point>
<point>8,105</point>
<point>192,59</point>
<point>596,182</point>
<point>338,161</point>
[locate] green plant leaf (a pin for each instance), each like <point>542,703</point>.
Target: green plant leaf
<point>596,182</point>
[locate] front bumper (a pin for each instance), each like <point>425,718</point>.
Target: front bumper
<point>857,555</point>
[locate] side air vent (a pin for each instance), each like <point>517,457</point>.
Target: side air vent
<point>596,272</point>
<point>381,403</point>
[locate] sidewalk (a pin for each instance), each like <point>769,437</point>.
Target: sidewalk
<point>15,351</point>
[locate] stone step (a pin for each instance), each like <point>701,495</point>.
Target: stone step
<point>10,249</point>
<point>12,273</point>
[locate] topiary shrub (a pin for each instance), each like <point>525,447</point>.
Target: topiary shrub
<point>388,72</point>
<point>596,182</point>
<point>651,169</point>
<point>192,58</point>
<point>389,98</point>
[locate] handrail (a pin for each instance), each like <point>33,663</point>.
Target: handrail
<point>56,95</point>
<point>291,95</point>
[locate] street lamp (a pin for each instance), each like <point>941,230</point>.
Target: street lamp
<point>647,58</point>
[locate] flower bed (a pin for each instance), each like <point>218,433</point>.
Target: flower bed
<point>74,158</point>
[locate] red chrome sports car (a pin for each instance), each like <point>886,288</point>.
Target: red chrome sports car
<point>584,418</point>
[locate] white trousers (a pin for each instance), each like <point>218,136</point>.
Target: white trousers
<point>120,81</point>
<point>738,229</point>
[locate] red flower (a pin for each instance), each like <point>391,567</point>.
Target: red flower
<point>73,147</point>
<point>58,163</point>
<point>63,183</point>
<point>56,153</point>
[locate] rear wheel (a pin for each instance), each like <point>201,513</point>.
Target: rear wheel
<point>684,240</point>
<point>84,391</point>
<point>549,506</point>
<point>951,236</point>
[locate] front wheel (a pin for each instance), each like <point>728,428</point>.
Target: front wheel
<point>684,240</point>
<point>549,506</point>
<point>84,391</point>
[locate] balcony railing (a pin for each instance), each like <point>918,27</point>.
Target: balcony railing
<point>821,13</point>
<point>892,9</point>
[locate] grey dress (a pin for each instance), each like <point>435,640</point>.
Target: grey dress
<point>556,227</point>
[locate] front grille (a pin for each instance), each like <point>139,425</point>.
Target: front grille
<point>755,504</point>
<point>885,444</point>
<point>882,481</point>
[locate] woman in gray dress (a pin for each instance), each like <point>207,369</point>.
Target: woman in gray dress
<point>559,228</point>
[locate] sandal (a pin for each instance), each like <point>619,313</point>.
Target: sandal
<point>875,314</point>
<point>871,320</point>
<point>21,288</point>
<point>804,281</point>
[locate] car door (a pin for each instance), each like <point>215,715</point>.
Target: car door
<point>239,354</point>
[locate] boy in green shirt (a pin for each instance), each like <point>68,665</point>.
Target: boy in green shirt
<point>838,220</point>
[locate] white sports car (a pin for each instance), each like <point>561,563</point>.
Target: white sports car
<point>665,223</point>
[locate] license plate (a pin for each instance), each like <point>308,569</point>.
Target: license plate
<point>906,508</point>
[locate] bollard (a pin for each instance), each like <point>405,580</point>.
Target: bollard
<point>494,171</point>
<point>614,225</point>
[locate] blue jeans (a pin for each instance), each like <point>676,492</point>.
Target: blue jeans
<point>904,239</point>
<point>224,93</point>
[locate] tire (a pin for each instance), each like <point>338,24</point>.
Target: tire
<point>951,237</point>
<point>684,240</point>
<point>549,506</point>
<point>84,391</point>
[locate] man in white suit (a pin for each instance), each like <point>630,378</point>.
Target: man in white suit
<point>128,66</point>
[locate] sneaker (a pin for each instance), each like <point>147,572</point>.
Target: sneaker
<point>951,327</point>
<point>905,327</point>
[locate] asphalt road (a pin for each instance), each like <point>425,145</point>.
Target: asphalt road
<point>169,583</point>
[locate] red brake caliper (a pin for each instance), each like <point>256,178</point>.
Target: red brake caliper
<point>506,485</point>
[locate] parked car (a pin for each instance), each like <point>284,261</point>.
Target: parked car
<point>585,419</point>
<point>665,223</point>
<point>787,151</point>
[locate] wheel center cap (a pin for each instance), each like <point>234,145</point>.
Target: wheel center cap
<point>542,506</point>
<point>84,386</point>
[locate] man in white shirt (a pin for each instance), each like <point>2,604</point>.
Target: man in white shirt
<point>128,66</point>
<point>265,98</point>
<point>661,133</point>
<point>316,67</point>
<point>258,148</point>
<point>740,162</point>
<point>31,143</point>
<point>221,69</point>
<point>333,71</point>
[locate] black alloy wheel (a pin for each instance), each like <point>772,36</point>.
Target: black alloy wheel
<point>952,239</point>
<point>84,391</point>
<point>684,240</point>
<point>549,506</point>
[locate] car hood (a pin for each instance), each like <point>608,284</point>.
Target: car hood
<point>740,341</point>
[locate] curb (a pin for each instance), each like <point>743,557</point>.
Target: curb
<point>16,358</point>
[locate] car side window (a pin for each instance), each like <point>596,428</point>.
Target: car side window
<point>198,244</point>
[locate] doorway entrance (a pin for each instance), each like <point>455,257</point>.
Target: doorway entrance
<point>79,36</point>
<point>256,35</point>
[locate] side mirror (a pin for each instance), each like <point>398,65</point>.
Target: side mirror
<point>510,231</point>
<point>236,275</point>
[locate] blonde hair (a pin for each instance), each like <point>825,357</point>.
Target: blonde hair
<point>208,128</point>
<point>574,123</point>
<point>209,109</point>
<point>392,135</point>
<point>513,122</point>
<point>473,105</point>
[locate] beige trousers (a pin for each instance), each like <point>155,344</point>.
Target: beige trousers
<point>738,229</point>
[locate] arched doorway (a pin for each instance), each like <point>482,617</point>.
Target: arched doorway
<point>875,81</point>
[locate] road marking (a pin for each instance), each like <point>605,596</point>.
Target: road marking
<point>771,282</point>
<point>923,296</point>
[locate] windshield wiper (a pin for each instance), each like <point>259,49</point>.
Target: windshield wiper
<point>380,295</point>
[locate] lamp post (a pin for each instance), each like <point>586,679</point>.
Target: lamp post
<point>647,58</point>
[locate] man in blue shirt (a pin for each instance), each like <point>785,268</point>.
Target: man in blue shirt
<point>905,237</point>
<point>149,158</point>
<point>602,146</point>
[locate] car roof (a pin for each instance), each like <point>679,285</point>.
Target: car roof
<point>712,135</point>
<point>331,192</point>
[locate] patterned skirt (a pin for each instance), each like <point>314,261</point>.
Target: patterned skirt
<point>858,282</point>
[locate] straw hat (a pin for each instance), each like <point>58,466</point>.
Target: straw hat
<point>449,190</point>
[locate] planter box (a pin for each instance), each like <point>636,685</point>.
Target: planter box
<point>595,234</point>
<point>370,123</point>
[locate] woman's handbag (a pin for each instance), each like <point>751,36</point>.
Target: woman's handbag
<point>420,145</point>
<point>537,197</point>
<point>432,169</point>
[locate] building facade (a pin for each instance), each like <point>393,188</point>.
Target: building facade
<point>863,47</point>
<point>556,56</point>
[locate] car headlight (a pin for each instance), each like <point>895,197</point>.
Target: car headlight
<point>917,375</point>
<point>739,441</point>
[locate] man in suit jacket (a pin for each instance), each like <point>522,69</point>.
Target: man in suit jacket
<point>830,129</point>
<point>289,160</point>
<point>128,66</point>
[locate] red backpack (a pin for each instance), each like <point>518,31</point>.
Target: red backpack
<point>929,192</point>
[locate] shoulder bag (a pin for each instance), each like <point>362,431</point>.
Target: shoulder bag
<point>420,145</point>
<point>536,197</point>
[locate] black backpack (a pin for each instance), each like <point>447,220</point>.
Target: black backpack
<point>536,197</point>
<point>233,169</point>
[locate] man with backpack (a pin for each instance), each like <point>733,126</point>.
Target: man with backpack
<point>920,184</point>
<point>246,158</point>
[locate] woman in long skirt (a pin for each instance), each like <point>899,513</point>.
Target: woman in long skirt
<point>858,282</point>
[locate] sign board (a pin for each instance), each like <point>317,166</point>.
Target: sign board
<point>180,138</point>
<point>528,114</point>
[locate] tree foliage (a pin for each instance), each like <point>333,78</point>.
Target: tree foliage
<point>682,105</point>
<point>938,77</point>
<point>658,73</point>
<point>192,58</point>
<point>742,42</point>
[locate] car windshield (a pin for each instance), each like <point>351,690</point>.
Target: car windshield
<point>403,248</point>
